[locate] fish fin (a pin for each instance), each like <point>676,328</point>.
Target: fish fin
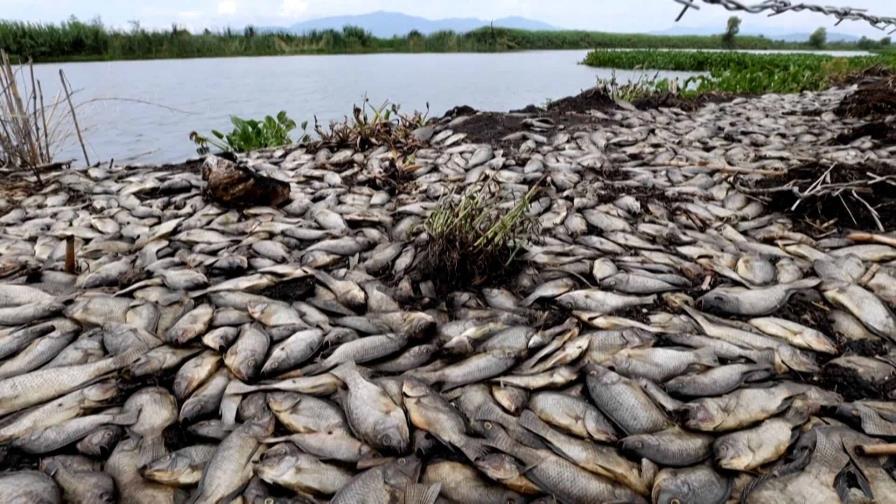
<point>344,370</point>
<point>805,283</point>
<point>418,493</point>
<point>474,449</point>
<point>275,440</point>
<point>706,357</point>
<point>530,421</point>
<point>236,387</point>
<point>150,449</point>
<point>126,418</point>
<point>649,470</point>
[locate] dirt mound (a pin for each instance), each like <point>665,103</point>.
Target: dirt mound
<point>490,127</point>
<point>875,96</point>
<point>882,131</point>
<point>849,196</point>
<point>582,103</point>
<point>672,100</point>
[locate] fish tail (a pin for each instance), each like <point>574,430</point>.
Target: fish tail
<point>418,493</point>
<point>150,449</point>
<point>236,387</point>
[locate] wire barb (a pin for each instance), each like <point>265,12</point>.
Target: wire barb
<point>776,7</point>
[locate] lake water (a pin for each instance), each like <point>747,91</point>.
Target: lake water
<point>205,92</point>
<point>201,94</point>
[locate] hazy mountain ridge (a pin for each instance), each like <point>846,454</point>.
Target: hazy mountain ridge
<point>388,24</point>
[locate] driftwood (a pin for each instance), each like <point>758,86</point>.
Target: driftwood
<point>236,186</point>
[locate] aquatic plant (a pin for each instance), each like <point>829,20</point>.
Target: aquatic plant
<point>743,73</point>
<point>249,134</point>
<point>473,240</point>
<point>631,91</point>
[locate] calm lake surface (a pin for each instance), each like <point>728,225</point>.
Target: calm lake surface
<point>201,94</point>
<point>205,92</point>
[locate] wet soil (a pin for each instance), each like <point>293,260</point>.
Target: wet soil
<point>840,195</point>
<point>882,131</point>
<point>671,100</point>
<point>875,96</point>
<point>582,103</point>
<point>852,385</point>
<point>492,127</point>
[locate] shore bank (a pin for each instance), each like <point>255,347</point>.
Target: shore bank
<point>709,299</point>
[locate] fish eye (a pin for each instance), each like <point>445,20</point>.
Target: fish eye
<point>402,461</point>
<point>675,501</point>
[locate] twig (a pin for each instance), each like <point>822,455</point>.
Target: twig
<point>68,97</point>
<point>871,209</point>
<point>43,117</point>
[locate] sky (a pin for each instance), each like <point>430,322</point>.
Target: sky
<point>602,15</point>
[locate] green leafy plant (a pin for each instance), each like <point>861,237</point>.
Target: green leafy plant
<point>249,134</point>
<point>473,238</point>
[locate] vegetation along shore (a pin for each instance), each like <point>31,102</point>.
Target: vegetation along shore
<point>76,40</point>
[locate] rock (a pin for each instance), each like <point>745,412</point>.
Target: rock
<point>237,186</point>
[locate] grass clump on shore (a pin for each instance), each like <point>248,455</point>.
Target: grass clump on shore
<point>742,73</point>
<point>371,127</point>
<point>473,240</point>
<point>76,40</point>
<point>249,135</point>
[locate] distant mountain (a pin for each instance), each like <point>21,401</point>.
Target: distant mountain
<point>388,24</point>
<point>784,34</point>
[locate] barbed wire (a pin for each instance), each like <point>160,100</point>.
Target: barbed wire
<point>776,7</point>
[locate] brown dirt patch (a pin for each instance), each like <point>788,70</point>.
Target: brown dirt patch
<point>882,131</point>
<point>490,127</point>
<point>835,196</point>
<point>687,104</point>
<point>874,97</point>
<point>582,103</point>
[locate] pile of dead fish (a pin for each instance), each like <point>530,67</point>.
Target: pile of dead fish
<point>667,340</point>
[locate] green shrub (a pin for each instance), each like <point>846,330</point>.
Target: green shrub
<point>249,134</point>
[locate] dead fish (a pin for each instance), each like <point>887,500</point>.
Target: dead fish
<point>624,402</point>
<point>463,484</point>
<point>753,302</point>
<point>698,485</point>
<point>739,409</point>
<point>293,351</point>
<point>82,487</point>
<point>671,447</point>
<point>751,448</point>
<point>717,381</point>
<point>29,487</point>
<point>246,357</point>
<point>572,414</point>
<point>231,467</point>
<point>475,368</point>
<point>796,334</point>
<point>194,373</point>
<point>373,415</point>
<point>284,465</point>
<point>592,457</point>
<point>561,478</point>
<point>191,325</point>
<point>154,409</point>
<point>35,387</point>
<point>428,411</point>
<point>866,307</point>
<point>594,300</point>
<point>180,468</point>
<point>392,481</point>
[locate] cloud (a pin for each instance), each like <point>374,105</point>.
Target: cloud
<point>293,8</point>
<point>227,7</point>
